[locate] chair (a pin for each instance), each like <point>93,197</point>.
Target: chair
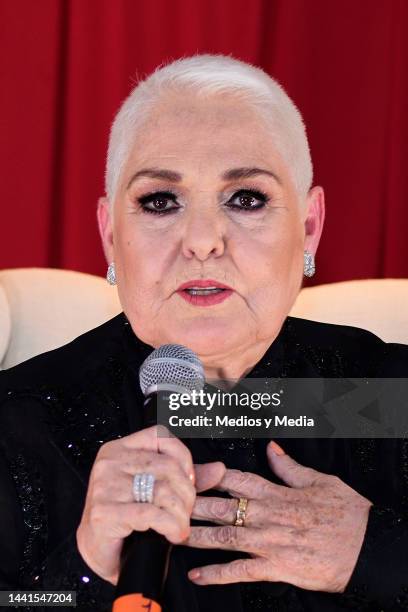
<point>379,305</point>
<point>41,309</point>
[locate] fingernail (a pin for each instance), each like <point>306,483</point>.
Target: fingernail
<point>276,449</point>
<point>194,574</point>
<point>192,477</point>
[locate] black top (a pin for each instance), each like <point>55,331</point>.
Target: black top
<point>58,408</point>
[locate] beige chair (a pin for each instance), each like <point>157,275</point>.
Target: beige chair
<point>379,305</point>
<point>41,309</point>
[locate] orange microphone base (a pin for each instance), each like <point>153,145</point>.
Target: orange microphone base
<point>135,602</point>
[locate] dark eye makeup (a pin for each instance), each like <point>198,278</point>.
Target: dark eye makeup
<point>159,202</point>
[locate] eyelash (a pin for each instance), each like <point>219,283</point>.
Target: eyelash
<point>157,195</point>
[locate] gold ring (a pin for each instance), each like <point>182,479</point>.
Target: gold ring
<point>241,512</point>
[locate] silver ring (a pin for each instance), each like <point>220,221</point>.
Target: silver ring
<point>143,488</point>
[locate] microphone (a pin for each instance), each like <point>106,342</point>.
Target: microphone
<point>172,368</point>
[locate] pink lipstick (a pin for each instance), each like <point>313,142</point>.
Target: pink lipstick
<point>206,292</point>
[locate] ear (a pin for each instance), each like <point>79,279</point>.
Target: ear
<point>314,218</point>
<point>105,226</point>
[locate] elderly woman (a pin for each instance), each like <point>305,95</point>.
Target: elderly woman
<point>209,223</point>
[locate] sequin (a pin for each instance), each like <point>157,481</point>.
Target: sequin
<point>30,492</point>
<point>365,454</point>
<point>270,597</point>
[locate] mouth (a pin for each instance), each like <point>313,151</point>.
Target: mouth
<point>204,292</point>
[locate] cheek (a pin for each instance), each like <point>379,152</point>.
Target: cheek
<point>271,262</point>
<point>140,257</point>
<point>267,254</point>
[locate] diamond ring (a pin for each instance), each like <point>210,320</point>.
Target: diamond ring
<point>143,488</point>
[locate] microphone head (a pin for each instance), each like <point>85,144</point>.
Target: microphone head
<point>171,367</point>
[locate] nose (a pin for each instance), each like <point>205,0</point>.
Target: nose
<point>204,235</point>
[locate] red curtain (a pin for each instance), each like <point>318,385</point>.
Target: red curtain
<point>65,67</point>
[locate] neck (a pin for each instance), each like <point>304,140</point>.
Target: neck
<point>233,367</point>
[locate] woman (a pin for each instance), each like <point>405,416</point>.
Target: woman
<point>209,222</point>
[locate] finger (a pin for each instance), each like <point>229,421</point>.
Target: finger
<point>146,439</point>
<point>258,513</point>
<point>228,537</point>
<point>150,439</point>
<point>166,498</point>
<point>208,475</point>
<point>175,528</point>
<point>241,570</point>
<point>163,467</point>
<point>116,521</point>
<point>252,486</point>
<point>292,473</point>
<point>120,490</point>
<point>216,509</point>
<point>249,539</point>
<point>224,511</point>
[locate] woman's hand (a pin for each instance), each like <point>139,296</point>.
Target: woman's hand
<point>111,513</point>
<point>308,534</point>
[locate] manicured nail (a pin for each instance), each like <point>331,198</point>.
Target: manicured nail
<point>276,449</point>
<point>194,574</point>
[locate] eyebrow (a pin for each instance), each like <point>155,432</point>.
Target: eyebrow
<point>175,177</point>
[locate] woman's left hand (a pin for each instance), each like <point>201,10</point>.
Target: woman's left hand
<point>308,534</point>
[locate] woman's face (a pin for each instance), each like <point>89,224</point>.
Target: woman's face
<point>206,201</point>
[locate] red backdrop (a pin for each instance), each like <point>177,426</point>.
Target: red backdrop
<point>65,67</point>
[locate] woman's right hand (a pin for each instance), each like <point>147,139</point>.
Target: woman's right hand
<point>110,513</point>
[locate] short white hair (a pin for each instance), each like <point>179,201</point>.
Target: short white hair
<point>213,74</point>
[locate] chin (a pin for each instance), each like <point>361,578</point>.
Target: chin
<point>207,337</point>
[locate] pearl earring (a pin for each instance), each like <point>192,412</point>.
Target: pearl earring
<point>110,274</point>
<point>309,266</point>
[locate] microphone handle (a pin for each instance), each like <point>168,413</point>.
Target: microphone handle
<point>145,557</point>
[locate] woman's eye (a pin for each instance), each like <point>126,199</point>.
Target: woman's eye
<point>247,199</point>
<point>165,202</point>
<point>160,202</point>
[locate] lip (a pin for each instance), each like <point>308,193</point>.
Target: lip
<point>204,300</point>
<point>202,283</point>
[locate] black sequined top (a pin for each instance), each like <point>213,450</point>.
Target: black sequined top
<point>58,408</point>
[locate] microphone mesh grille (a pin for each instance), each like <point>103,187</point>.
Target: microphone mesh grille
<point>171,364</point>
